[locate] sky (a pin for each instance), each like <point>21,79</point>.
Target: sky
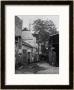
<point>28,19</point>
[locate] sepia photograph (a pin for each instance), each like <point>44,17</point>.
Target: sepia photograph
<point>37,44</point>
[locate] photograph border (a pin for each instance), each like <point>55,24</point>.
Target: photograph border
<point>3,3</point>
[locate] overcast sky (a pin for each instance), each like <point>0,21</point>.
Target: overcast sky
<point>28,19</point>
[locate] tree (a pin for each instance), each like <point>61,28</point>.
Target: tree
<point>43,29</point>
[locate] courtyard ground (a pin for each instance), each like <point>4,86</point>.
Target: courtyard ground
<point>37,68</point>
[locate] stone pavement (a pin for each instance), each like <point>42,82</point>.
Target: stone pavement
<point>37,68</point>
<point>49,69</point>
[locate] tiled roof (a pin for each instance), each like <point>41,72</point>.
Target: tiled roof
<point>27,44</point>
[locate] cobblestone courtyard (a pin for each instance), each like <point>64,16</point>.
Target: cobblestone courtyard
<point>37,68</point>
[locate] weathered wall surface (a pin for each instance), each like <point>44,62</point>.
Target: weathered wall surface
<point>0,42</point>
<point>18,26</point>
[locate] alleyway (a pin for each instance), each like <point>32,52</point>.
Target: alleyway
<point>37,68</point>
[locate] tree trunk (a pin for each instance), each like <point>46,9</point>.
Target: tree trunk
<point>38,51</point>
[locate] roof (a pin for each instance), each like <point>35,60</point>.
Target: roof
<point>27,44</point>
<point>54,34</point>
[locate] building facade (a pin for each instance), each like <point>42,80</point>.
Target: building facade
<point>27,52</point>
<point>54,49</point>
<point>29,46</point>
<point>18,39</point>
